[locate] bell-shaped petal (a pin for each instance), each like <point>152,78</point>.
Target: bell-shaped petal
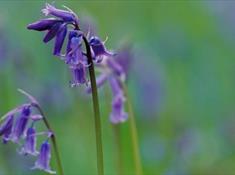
<point>79,75</point>
<point>74,53</point>
<point>29,146</point>
<point>21,124</point>
<point>43,161</point>
<point>6,128</point>
<point>52,32</point>
<point>118,115</point>
<point>66,15</point>
<point>43,24</point>
<point>98,49</point>
<point>60,36</point>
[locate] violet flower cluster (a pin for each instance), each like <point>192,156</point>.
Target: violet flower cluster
<point>18,126</point>
<point>65,24</point>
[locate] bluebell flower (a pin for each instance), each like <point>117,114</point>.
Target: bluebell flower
<point>117,115</point>
<point>44,24</point>
<point>29,146</point>
<point>6,128</point>
<point>60,37</point>
<point>74,57</point>
<point>98,49</point>
<point>21,124</point>
<point>43,161</point>
<point>18,126</point>
<point>67,15</point>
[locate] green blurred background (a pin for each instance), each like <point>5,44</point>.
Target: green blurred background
<point>181,83</point>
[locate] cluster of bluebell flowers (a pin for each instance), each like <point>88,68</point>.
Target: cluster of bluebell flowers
<point>65,24</point>
<point>19,127</point>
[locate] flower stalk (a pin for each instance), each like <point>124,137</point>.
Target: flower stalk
<point>98,129</point>
<point>134,134</point>
<point>53,140</point>
<point>117,137</point>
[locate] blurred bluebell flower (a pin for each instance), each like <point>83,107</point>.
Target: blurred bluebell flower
<point>43,162</point>
<point>6,128</point>
<point>19,131</point>
<point>21,124</point>
<point>29,146</point>
<point>114,69</point>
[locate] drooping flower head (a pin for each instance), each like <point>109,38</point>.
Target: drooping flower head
<point>65,24</point>
<point>18,126</point>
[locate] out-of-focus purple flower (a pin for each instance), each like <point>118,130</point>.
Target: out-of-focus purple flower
<point>21,124</point>
<point>114,70</point>
<point>124,58</point>
<point>44,24</point>
<point>6,128</point>
<point>30,143</point>
<point>118,115</point>
<point>67,15</point>
<point>43,162</point>
<point>98,49</point>
<point>19,131</point>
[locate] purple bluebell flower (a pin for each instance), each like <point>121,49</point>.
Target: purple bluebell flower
<point>118,115</point>
<point>19,132</point>
<point>21,124</point>
<point>67,15</point>
<point>52,32</point>
<point>74,53</point>
<point>43,161</point>
<point>44,24</point>
<point>6,128</point>
<point>98,49</point>
<point>79,75</point>
<point>29,146</point>
<point>60,36</point>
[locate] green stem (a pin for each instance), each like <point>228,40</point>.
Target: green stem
<point>98,130</point>
<point>53,140</point>
<point>117,137</point>
<point>134,135</point>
